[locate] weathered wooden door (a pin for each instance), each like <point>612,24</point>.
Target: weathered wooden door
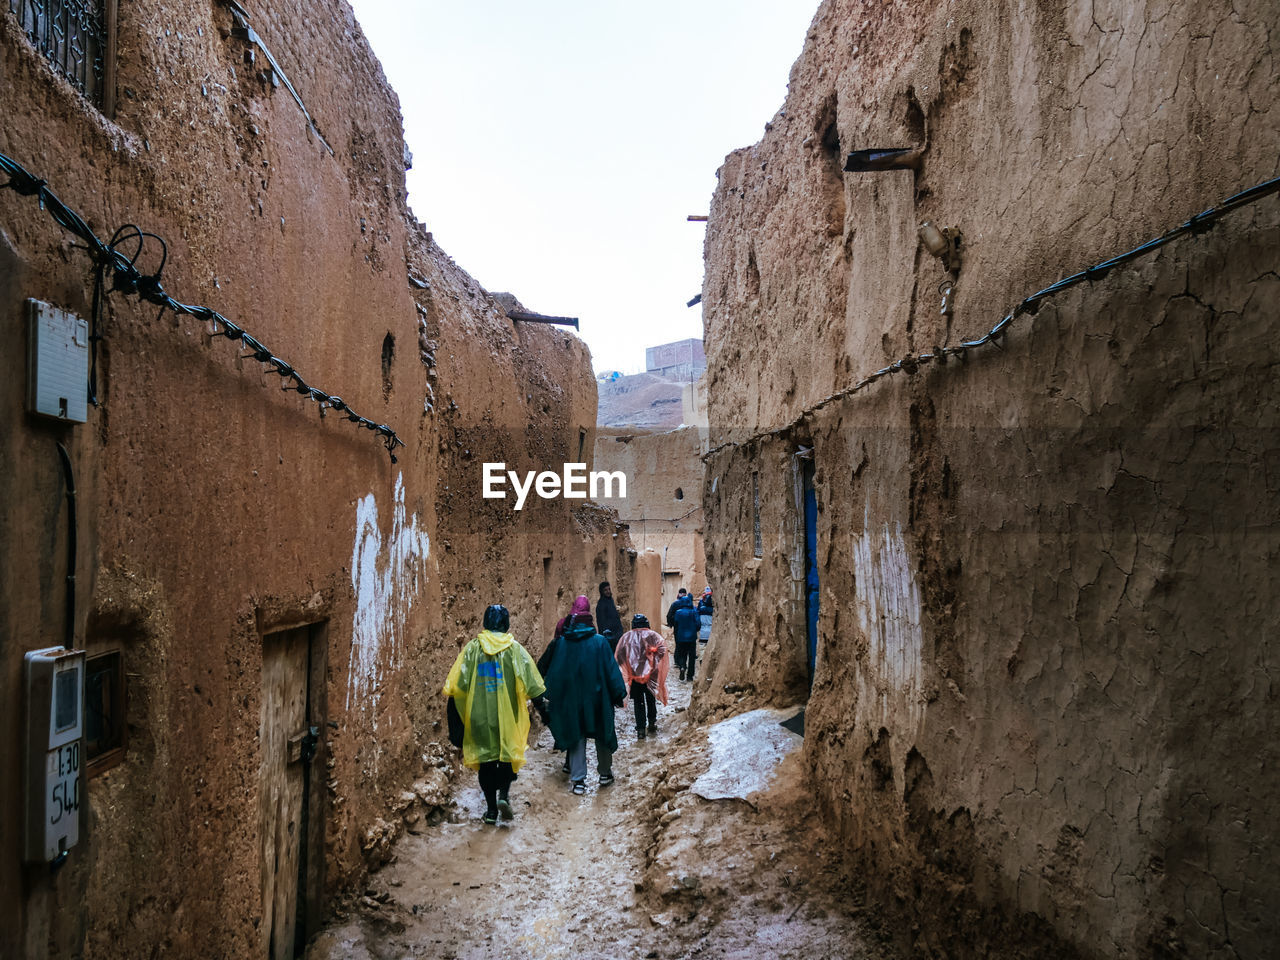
<point>285,752</point>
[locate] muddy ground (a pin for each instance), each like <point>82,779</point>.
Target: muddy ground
<point>642,868</point>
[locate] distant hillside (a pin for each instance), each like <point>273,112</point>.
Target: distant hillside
<point>641,400</point>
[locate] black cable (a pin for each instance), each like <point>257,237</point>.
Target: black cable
<point>69,479</point>
<point>128,279</point>
<point>1201,223</point>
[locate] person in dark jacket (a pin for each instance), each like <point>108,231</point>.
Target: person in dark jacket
<point>671,610</point>
<point>584,686</point>
<point>608,622</point>
<point>685,624</point>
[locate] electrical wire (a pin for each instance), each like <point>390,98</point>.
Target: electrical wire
<point>126,278</point>
<point>1201,223</point>
<point>662,519</point>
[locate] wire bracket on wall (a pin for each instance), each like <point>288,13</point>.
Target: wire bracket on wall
<point>128,279</point>
<point>1199,224</point>
<point>242,30</point>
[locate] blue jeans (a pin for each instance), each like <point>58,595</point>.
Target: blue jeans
<point>578,761</point>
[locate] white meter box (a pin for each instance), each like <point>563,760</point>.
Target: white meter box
<point>55,768</point>
<point>57,363</point>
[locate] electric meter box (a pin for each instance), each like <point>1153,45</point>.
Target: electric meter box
<point>55,761</point>
<point>57,363</point>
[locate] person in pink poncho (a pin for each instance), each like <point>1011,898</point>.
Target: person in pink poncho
<point>642,655</point>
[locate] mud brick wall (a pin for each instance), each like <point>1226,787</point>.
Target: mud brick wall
<point>215,509</point>
<point>1042,711</point>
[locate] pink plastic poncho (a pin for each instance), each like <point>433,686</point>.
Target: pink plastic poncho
<point>642,655</point>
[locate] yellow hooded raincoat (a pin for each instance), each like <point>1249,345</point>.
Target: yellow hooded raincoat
<point>489,683</point>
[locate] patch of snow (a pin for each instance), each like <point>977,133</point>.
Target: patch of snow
<point>745,753</point>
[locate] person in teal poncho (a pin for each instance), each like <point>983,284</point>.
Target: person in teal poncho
<point>489,683</point>
<point>584,686</point>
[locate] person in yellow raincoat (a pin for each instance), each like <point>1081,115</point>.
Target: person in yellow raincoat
<point>642,657</point>
<point>489,683</point>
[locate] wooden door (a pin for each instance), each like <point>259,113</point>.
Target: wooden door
<point>283,731</point>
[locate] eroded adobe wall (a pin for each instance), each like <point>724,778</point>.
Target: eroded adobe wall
<point>215,508</point>
<point>522,394</point>
<point>1041,711</point>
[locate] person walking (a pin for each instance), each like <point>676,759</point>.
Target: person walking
<point>685,625</point>
<point>706,611</point>
<point>675,605</point>
<point>579,612</point>
<point>608,622</point>
<point>642,656</point>
<point>584,686</point>
<point>488,684</point>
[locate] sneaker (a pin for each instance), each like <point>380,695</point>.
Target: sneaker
<point>579,788</point>
<point>653,728</point>
<point>606,779</point>
<point>681,674</point>
<point>504,809</point>
<point>640,734</point>
<point>490,817</point>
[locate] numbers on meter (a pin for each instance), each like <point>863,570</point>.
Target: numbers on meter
<point>64,779</point>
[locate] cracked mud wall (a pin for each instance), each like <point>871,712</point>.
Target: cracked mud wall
<point>1070,748</point>
<point>215,508</point>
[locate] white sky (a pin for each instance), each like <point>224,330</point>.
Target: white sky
<point>559,146</point>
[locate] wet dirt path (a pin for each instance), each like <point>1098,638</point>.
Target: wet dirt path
<point>642,868</point>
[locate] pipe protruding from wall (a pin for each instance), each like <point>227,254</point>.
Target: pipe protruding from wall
<point>884,158</point>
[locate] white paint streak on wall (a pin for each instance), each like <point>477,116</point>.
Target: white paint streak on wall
<point>888,604</point>
<point>387,578</point>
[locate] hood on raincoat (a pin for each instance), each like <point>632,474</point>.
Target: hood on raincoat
<point>580,631</point>
<point>494,643</point>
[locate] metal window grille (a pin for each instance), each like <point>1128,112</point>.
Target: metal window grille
<point>755,508</point>
<point>72,35</point>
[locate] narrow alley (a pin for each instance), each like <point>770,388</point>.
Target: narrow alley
<point>918,355</point>
<point>645,867</point>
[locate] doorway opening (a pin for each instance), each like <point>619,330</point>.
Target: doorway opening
<point>809,500</point>
<point>291,789</point>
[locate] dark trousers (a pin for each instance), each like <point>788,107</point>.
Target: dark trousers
<point>643,699</point>
<point>495,779</point>
<point>687,657</point>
